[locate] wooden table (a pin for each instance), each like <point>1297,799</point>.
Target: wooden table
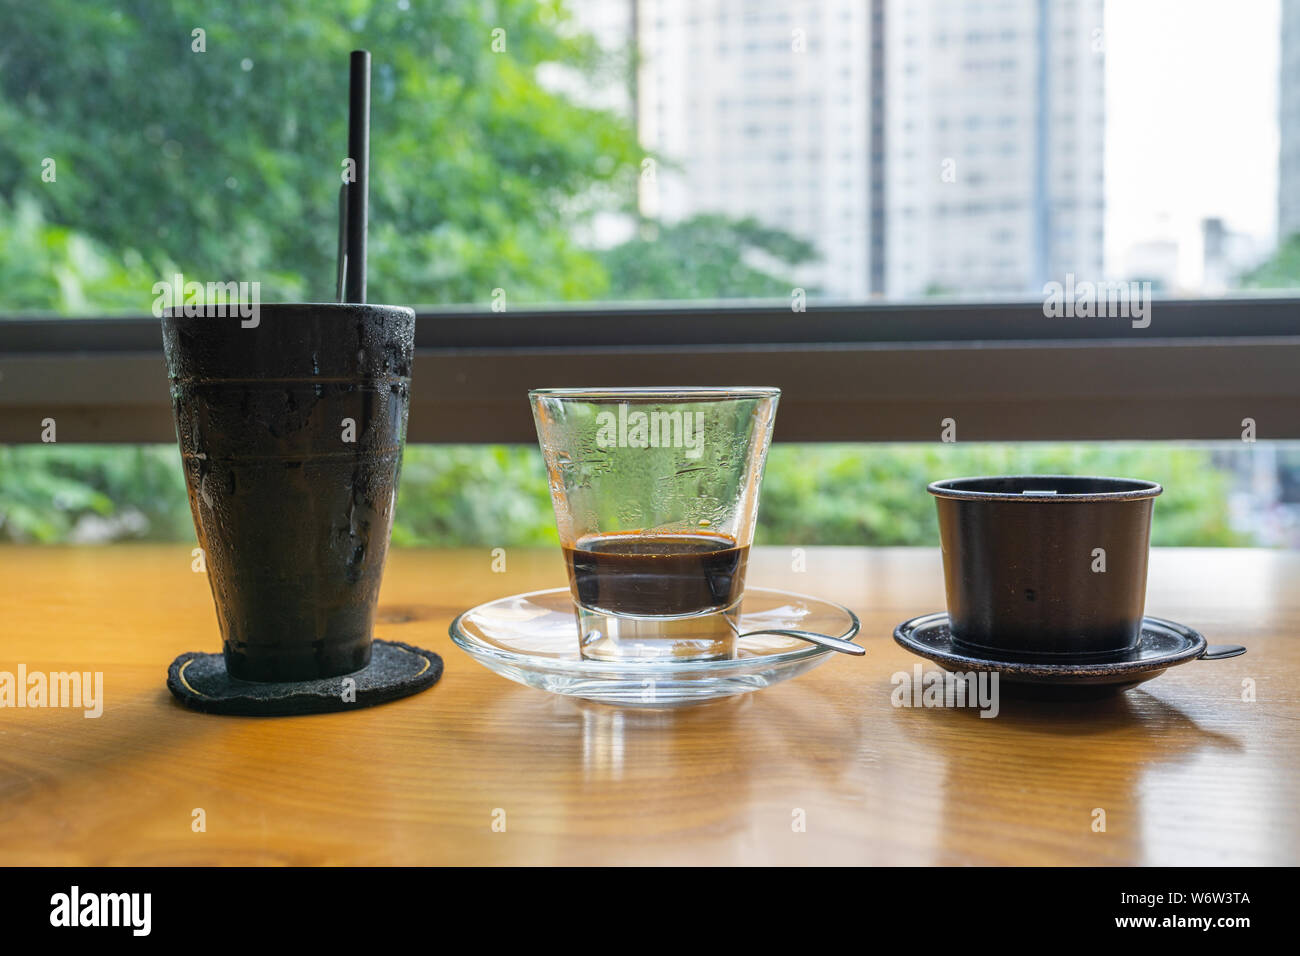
<point>1185,770</point>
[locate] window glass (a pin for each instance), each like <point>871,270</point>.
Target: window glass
<point>528,153</point>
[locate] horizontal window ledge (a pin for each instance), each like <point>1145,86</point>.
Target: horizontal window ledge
<point>693,323</point>
<point>1193,389</point>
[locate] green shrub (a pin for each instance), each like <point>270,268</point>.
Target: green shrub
<point>496,495</point>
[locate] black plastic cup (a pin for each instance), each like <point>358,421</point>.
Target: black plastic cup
<point>1045,566</point>
<point>291,433</point>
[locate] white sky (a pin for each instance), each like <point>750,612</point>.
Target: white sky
<point>1191,122</point>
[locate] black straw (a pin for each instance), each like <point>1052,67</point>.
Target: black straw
<point>358,193</point>
<point>341,269</point>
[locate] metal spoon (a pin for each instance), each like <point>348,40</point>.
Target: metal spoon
<point>812,637</point>
<point>1218,652</point>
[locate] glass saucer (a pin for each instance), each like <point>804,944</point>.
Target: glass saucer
<point>533,639</point>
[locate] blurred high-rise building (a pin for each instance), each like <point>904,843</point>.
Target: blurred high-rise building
<point>761,109</point>
<point>1288,171</point>
<point>923,146</point>
<point>994,144</point>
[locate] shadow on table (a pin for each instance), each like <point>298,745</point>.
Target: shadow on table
<point>1055,782</point>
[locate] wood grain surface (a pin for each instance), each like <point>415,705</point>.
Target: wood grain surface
<point>1184,768</point>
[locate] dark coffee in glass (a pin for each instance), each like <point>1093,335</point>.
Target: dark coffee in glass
<point>666,574</point>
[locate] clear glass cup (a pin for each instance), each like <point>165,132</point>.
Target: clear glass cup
<point>656,494</point>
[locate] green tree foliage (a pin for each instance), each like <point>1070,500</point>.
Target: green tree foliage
<point>1279,271</point>
<point>875,495</point>
<point>226,163</point>
<point>56,493</point>
<point>497,496</point>
<point>706,257</point>
<point>494,495</point>
<point>60,269</point>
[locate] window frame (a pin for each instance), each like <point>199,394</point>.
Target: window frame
<point>1002,371</point>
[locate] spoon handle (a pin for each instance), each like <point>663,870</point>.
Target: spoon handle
<point>812,637</point>
<point>1217,652</point>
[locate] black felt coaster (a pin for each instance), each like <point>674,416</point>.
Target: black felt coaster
<point>395,670</point>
